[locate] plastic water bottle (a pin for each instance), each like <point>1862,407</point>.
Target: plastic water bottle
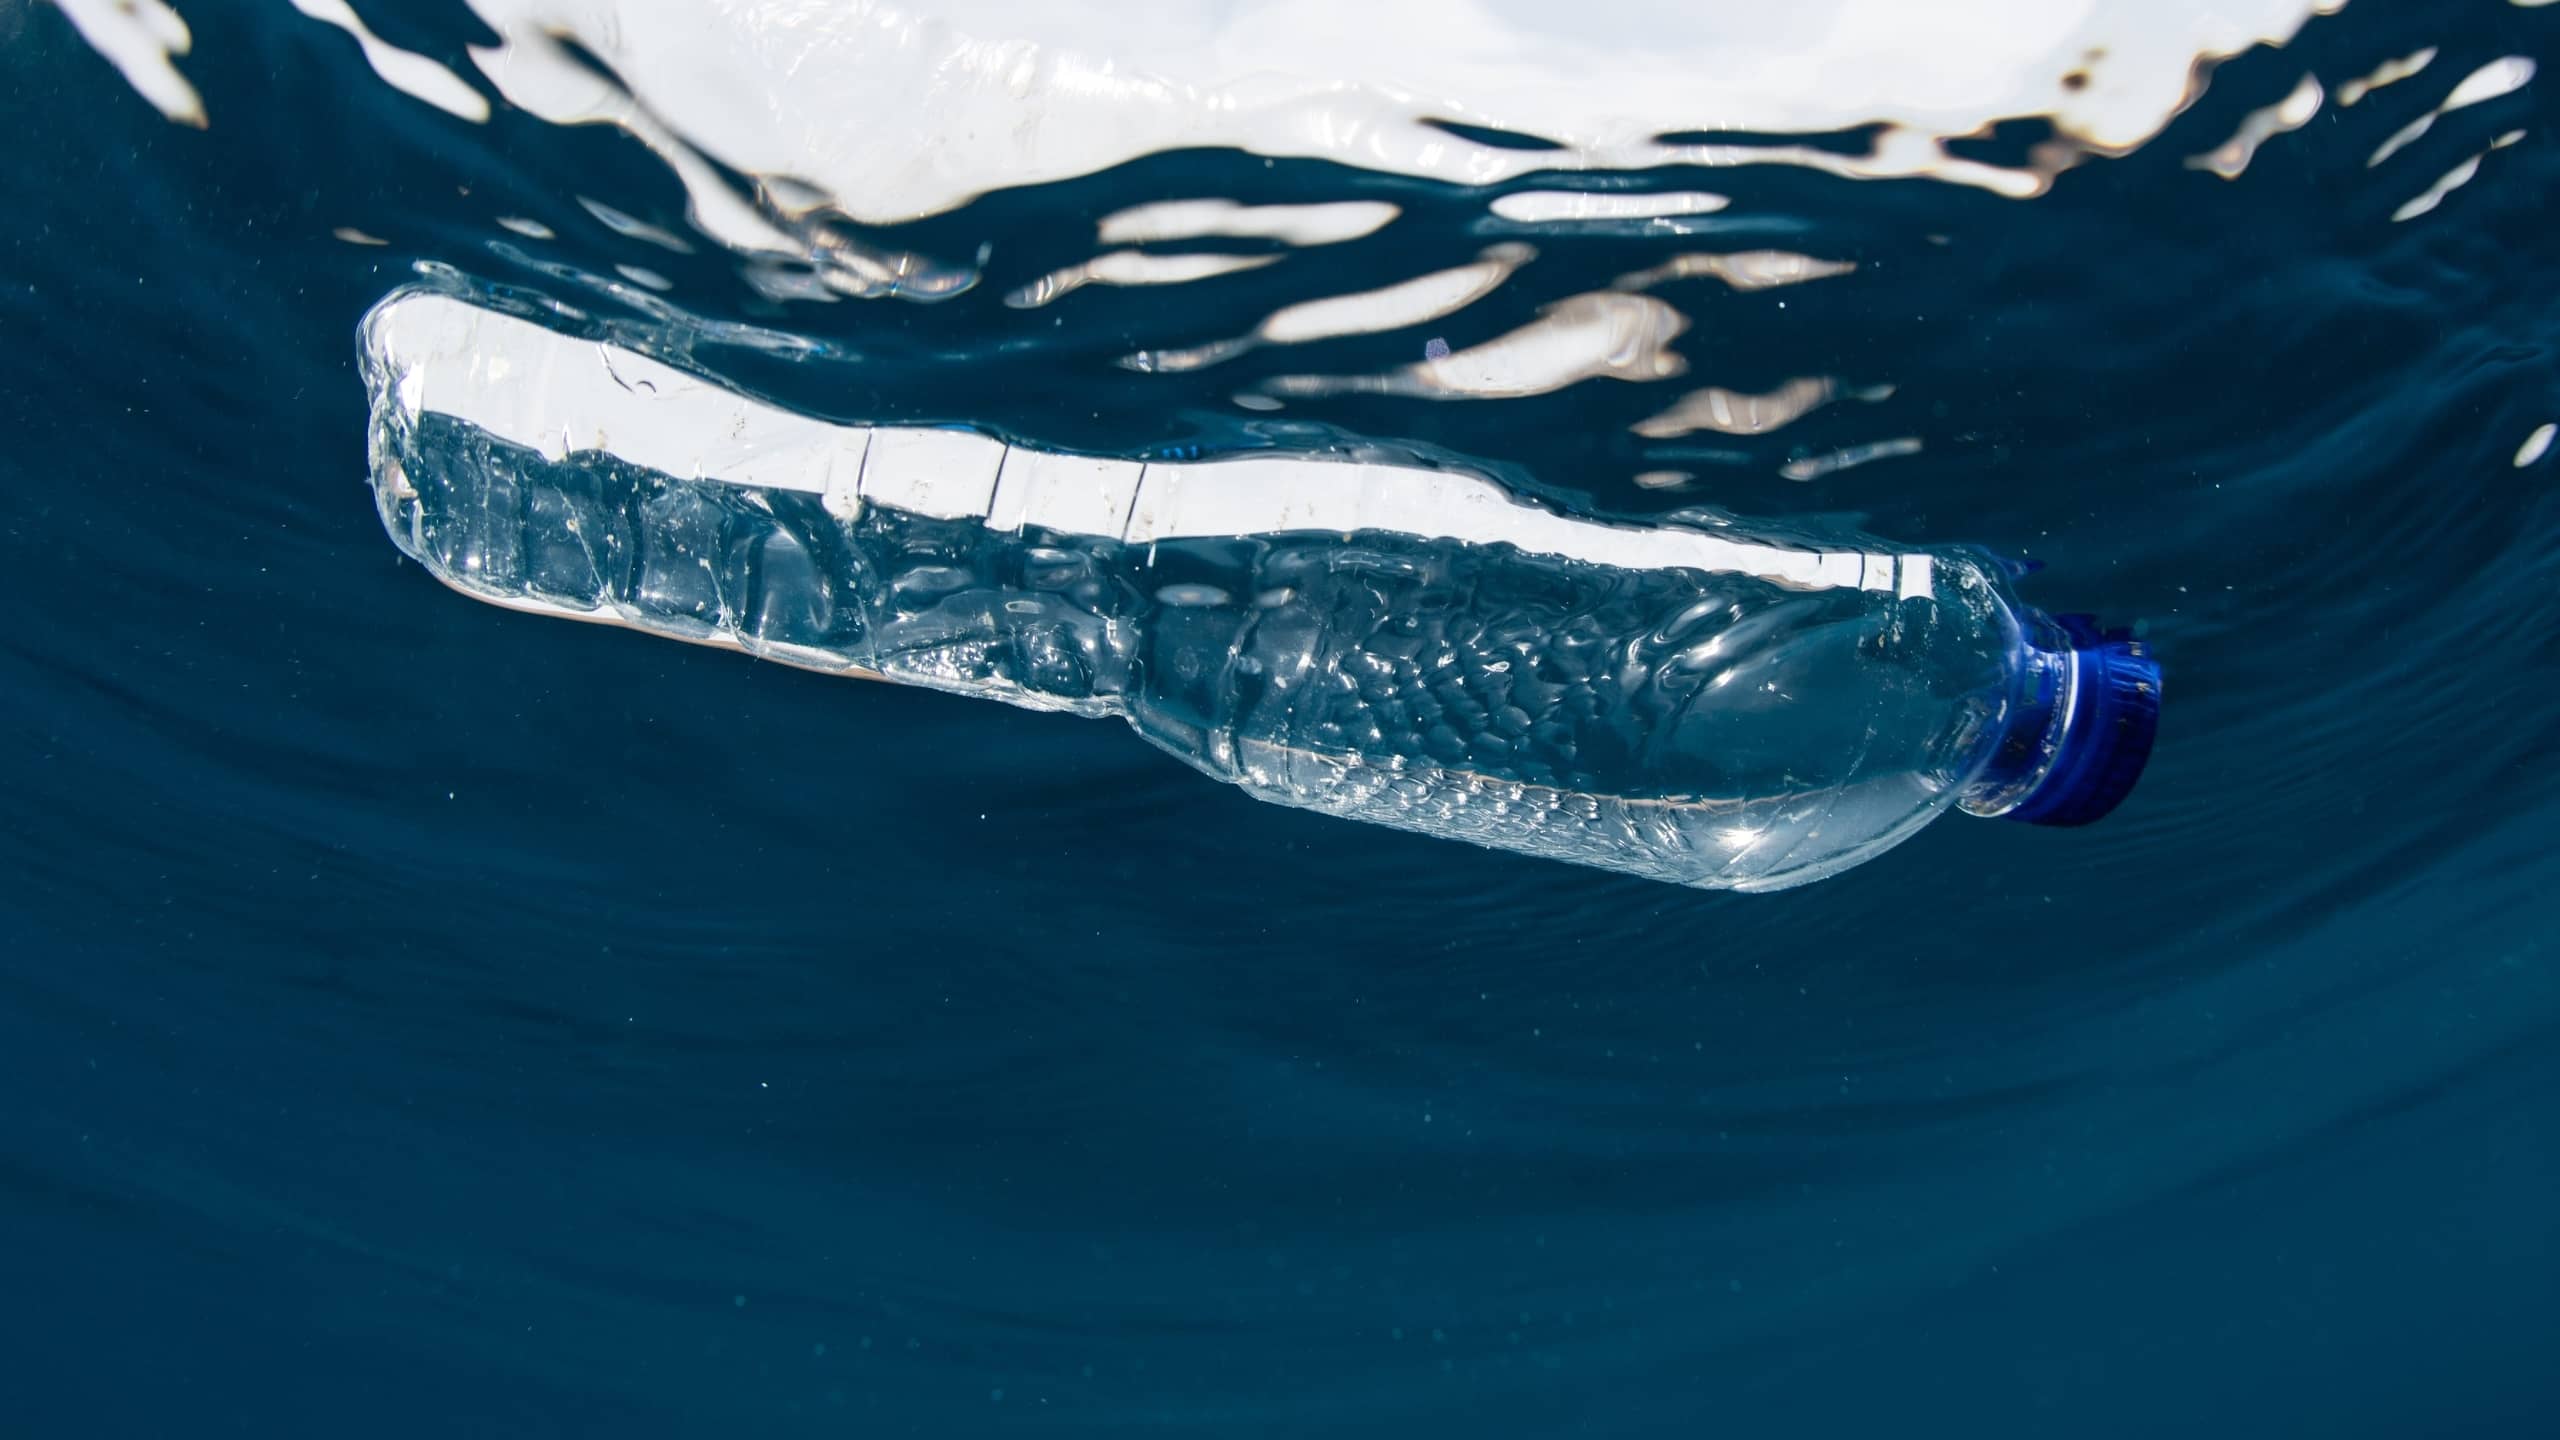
<point>1391,643</point>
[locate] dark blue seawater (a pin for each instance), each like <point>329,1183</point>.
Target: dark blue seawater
<point>421,1019</point>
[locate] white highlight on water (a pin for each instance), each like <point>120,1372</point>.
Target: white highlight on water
<point>2498,77</point>
<point>895,111</point>
<point>2535,445</point>
<point>409,73</point>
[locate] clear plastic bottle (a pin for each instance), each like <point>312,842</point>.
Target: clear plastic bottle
<point>1383,642</point>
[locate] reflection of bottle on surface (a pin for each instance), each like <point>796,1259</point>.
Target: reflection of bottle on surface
<point>1389,643</point>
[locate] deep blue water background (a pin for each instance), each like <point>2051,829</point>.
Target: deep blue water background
<point>422,1019</point>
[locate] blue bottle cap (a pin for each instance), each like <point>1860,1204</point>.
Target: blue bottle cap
<point>2115,708</point>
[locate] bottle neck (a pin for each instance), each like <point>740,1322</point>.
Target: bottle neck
<point>2041,709</point>
<point>2087,707</point>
